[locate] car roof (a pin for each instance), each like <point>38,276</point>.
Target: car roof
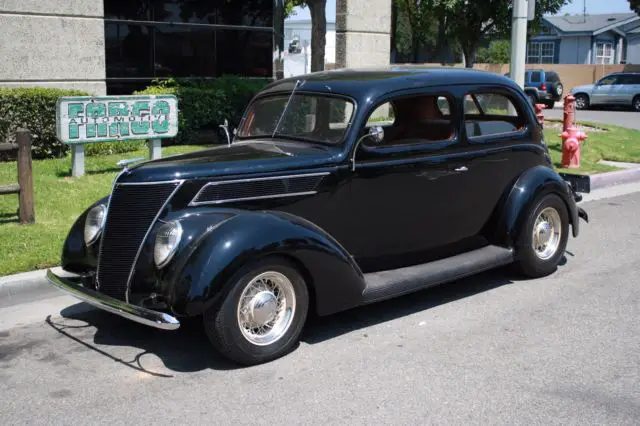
<point>372,82</point>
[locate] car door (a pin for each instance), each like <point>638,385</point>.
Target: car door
<point>604,91</point>
<point>499,132</point>
<point>408,192</point>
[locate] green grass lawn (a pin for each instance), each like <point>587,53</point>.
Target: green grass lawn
<point>59,199</point>
<point>604,142</point>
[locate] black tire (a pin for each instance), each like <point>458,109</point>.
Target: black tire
<point>528,262</point>
<point>532,98</point>
<point>550,104</point>
<point>221,320</point>
<point>582,101</point>
<point>635,104</point>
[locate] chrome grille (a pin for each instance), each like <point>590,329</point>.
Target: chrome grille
<point>132,211</point>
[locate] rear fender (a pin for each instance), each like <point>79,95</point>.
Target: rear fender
<point>528,188</point>
<point>204,270</point>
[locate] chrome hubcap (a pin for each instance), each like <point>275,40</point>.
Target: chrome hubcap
<point>546,233</point>
<point>266,308</point>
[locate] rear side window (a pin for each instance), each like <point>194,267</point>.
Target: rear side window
<point>491,114</point>
<point>536,77</point>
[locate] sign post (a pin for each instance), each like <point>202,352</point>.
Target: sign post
<point>88,119</point>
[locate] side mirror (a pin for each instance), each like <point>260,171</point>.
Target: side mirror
<point>375,133</point>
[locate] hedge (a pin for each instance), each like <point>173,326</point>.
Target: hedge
<point>203,105</point>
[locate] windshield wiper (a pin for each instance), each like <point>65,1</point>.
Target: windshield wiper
<point>286,107</point>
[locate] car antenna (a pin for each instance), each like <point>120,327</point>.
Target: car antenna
<point>275,130</point>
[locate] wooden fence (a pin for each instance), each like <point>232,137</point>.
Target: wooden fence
<point>24,187</point>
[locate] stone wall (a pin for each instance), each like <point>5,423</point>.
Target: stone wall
<point>52,43</point>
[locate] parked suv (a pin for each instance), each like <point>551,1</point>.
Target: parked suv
<point>620,89</point>
<point>543,87</point>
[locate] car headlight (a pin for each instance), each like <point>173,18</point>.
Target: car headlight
<point>94,223</point>
<point>167,240</point>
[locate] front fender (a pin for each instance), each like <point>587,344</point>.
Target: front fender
<point>76,257</point>
<point>529,186</point>
<point>203,271</point>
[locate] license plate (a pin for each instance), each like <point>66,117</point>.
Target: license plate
<point>580,183</point>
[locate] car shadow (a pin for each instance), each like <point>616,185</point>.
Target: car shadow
<point>188,349</point>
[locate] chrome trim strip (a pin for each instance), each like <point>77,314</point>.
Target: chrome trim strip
<point>262,197</point>
<point>151,183</point>
<point>135,260</point>
<point>106,217</point>
<point>135,313</point>
<point>193,202</point>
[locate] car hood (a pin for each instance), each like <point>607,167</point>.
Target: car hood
<point>583,88</point>
<point>246,157</point>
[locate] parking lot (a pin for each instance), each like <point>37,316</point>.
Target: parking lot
<point>487,350</point>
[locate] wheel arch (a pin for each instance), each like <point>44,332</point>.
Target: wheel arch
<point>206,272</point>
<point>525,192</point>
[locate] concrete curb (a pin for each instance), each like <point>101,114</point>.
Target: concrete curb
<point>618,177</point>
<point>26,282</point>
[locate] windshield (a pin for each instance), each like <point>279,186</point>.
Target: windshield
<point>308,117</point>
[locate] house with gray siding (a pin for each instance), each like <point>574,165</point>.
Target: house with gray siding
<point>586,39</point>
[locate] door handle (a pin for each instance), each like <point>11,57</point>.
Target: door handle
<point>461,169</point>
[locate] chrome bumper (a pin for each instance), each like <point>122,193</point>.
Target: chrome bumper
<point>134,313</point>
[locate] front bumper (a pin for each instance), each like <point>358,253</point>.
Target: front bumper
<point>132,312</point>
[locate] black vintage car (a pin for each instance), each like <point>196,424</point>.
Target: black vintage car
<point>337,189</point>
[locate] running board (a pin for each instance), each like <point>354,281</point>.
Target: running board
<point>397,282</point>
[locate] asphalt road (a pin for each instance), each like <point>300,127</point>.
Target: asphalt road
<point>616,116</point>
<point>487,350</point>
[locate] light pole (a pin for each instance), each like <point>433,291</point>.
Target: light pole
<point>523,11</point>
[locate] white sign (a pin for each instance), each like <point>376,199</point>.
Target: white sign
<point>86,119</point>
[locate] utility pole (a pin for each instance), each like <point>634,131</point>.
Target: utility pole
<point>523,10</point>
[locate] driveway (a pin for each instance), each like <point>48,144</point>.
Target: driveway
<point>491,349</point>
<point>618,117</point>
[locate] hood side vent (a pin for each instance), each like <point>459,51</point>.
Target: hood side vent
<point>229,191</point>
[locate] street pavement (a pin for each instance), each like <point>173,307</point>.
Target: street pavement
<point>492,349</point>
<point>618,116</point>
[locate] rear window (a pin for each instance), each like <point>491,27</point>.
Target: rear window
<point>552,77</point>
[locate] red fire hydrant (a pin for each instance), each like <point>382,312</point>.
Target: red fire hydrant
<point>571,136</point>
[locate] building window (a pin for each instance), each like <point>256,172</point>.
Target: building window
<point>149,39</point>
<point>604,53</point>
<point>541,52</point>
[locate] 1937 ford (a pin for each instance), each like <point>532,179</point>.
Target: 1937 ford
<point>337,189</point>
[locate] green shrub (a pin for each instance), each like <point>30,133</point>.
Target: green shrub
<point>205,104</point>
<point>33,109</point>
<point>109,148</point>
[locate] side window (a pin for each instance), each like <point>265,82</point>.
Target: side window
<point>384,116</point>
<point>552,77</point>
<point>411,120</point>
<point>536,77</point>
<point>491,114</point>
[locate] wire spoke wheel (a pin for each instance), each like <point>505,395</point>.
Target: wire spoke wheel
<point>266,308</point>
<point>547,230</point>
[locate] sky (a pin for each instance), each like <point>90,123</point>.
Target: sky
<point>575,7</point>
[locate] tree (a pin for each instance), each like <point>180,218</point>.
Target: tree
<point>469,22</point>
<point>421,17</point>
<point>635,5</point>
<point>317,10</point>
<point>498,52</point>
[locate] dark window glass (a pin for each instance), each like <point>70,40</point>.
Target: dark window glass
<point>254,13</point>
<point>185,51</point>
<point>134,10</point>
<point>128,50</point>
<point>491,114</point>
<point>536,77</point>
<point>126,87</point>
<point>187,11</point>
<point>245,53</point>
